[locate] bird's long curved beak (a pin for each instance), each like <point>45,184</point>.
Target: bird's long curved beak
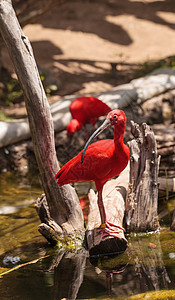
<point>105,125</point>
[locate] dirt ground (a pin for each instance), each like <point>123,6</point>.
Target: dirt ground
<point>76,43</point>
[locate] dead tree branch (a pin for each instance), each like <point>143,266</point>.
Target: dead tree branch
<point>63,203</point>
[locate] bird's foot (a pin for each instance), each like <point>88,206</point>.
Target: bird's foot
<point>106,229</point>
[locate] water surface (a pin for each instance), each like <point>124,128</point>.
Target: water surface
<point>45,272</point>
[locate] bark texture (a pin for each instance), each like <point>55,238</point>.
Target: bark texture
<point>63,203</point>
<point>142,198</point>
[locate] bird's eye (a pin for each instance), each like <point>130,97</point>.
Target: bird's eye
<point>114,117</point>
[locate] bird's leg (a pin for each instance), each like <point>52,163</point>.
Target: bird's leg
<point>106,227</point>
<point>101,208</point>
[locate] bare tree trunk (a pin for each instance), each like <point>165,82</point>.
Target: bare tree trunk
<point>142,198</point>
<point>63,203</point>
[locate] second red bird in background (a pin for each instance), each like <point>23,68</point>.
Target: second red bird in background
<point>86,110</point>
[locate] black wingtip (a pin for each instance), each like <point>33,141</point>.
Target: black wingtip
<point>59,174</point>
<point>82,157</point>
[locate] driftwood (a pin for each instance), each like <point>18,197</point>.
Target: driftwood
<point>65,215</point>
<point>142,197</point>
<point>154,84</point>
<point>118,97</point>
<point>114,194</point>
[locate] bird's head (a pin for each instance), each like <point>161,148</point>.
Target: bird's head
<point>74,125</point>
<point>115,117</point>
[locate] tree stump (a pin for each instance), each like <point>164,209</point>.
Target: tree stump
<point>114,193</point>
<point>142,197</point>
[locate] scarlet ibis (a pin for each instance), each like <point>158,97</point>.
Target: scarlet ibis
<point>85,110</point>
<point>99,162</point>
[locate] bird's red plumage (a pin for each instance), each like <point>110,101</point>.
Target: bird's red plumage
<point>86,110</point>
<point>103,160</point>
<point>100,164</point>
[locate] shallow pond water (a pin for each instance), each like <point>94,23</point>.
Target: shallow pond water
<point>31,269</point>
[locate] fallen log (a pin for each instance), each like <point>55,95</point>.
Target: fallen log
<point>114,193</point>
<point>142,197</point>
<point>137,91</point>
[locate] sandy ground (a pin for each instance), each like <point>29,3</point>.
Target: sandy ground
<point>78,41</point>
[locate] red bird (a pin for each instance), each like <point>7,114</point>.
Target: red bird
<point>99,162</point>
<point>85,110</point>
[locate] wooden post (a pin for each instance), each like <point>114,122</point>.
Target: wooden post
<point>65,215</point>
<point>114,194</point>
<point>142,198</point>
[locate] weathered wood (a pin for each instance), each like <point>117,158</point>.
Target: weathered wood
<point>142,197</point>
<point>63,203</point>
<point>114,193</point>
<point>155,83</point>
<point>118,97</point>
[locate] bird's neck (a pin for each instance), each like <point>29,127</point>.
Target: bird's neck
<point>119,135</point>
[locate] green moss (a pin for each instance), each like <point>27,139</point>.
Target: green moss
<point>158,295</point>
<point>149,66</point>
<point>117,262</point>
<point>71,242</point>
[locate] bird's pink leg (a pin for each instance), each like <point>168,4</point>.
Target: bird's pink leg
<point>101,207</point>
<point>106,227</point>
